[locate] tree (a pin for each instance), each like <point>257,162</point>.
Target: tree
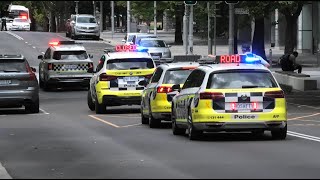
<point>291,10</point>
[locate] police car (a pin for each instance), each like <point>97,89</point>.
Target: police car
<point>115,81</point>
<point>236,94</point>
<point>64,63</point>
<point>155,105</point>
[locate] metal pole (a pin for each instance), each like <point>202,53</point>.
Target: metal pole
<point>190,49</point>
<point>214,30</point>
<point>185,29</point>
<point>209,30</point>
<point>112,19</point>
<point>155,17</point>
<point>94,8</point>
<point>101,16</point>
<point>77,6</point>
<point>231,29</point>
<point>128,17</point>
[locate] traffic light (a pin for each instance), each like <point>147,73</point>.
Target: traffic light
<point>190,2</point>
<point>232,2</point>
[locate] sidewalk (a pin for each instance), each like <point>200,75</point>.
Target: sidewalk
<point>308,61</point>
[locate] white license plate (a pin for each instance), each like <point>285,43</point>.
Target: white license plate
<point>131,78</point>
<point>244,106</point>
<point>70,66</point>
<point>5,82</point>
<point>156,57</point>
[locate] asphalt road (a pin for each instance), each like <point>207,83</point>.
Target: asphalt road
<point>67,140</point>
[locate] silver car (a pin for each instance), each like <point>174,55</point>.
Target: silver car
<point>64,63</point>
<point>84,25</point>
<point>157,48</point>
<point>18,84</point>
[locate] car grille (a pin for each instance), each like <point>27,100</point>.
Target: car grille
<point>91,28</point>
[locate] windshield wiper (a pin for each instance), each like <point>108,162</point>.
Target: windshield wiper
<point>252,86</point>
<point>11,71</point>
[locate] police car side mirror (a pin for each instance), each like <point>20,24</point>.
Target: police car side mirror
<point>176,87</point>
<point>40,57</point>
<point>143,83</point>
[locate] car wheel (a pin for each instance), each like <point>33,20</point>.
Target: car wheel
<point>46,86</point>
<point>279,134</point>
<point>100,108</point>
<point>32,107</point>
<point>153,123</point>
<point>91,105</point>
<point>40,81</point>
<point>144,120</point>
<point>192,132</point>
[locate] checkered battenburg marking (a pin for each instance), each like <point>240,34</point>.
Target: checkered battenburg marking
<point>224,105</point>
<point>72,67</point>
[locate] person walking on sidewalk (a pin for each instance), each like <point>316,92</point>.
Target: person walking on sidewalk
<point>288,62</point>
<point>3,22</point>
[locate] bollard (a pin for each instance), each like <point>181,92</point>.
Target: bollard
<point>270,57</point>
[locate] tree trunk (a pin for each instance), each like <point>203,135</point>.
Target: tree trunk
<point>258,38</point>
<point>291,34</point>
<point>178,31</point>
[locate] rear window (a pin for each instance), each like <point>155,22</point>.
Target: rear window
<point>152,43</point>
<point>70,55</point>
<point>241,79</point>
<point>86,20</point>
<point>131,63</point>
<point>176,76</point>
<point>11,65</point>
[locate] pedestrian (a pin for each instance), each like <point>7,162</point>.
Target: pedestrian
<point>288,62</point>
<point>3,23</point>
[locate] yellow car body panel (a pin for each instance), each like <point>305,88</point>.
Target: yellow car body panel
<point>160,104</point>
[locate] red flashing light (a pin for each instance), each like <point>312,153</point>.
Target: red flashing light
<point>233,106</point>
<point>254,106</point>
<point>130,47</point>
<point>54,43</point>
<point>230,58</point>
<point>164,89</point>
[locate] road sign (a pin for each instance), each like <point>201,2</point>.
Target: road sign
<point>241,11</point>
<point>232,2</point>
<point>190,2</point>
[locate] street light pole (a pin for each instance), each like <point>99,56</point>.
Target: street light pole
<point>155,17</point>
<point>101,16</point>
<point>190,49</point>
<point>231,29</point>
<point>94,8</point>
<point>128,17</point>
<point>76,6</point>
<point>215,30</point>
<point>209,30</point>
<point>112,19</point>
<point>185,29</point>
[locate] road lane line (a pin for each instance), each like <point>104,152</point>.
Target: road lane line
<point>45,112</point>
<point>33,47</point>
<point>3,173</point>
<point>300,117</point>
<point>304,136</point>
<point>106,122</point>
<point>131,125</point>
<point>118,116</point>
<point>302,105</point>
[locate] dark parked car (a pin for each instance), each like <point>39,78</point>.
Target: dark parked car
<point>18,84</point>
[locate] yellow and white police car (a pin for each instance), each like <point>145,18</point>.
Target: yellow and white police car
<point>155,105</point>
<point>64,63</point>
<point>237,94</point>
<point>115,80</point>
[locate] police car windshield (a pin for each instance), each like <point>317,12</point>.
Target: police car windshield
<point>86,20</point>
<point>130,63</point>
<point>152,43</point>
<point>70,55</point>
<point>176,76</point>
<point>241,79</point>
<point>12,66</point>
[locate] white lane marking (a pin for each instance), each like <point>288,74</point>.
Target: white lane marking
<point>42,52</point>
<point>131,125</point>
<point>304,136</point>
<point>64,37</point>
<point>302,105</point>
<point>33,47</point>
<point>118,116</point>
<point>45,112</point>
<point>14,35</point>
<point>26,42</point>
<point>3,173</point>
<point>300,117</point>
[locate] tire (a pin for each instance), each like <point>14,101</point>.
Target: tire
<point>33,107</point>
<point>144,120</point>
<point>175,129</point>
<point>100,108</point>
<point>153,123</point>
<point>67,34</point>
<point>192,132</point>
<point>41,85</point>
<point>280,134</point>
<point>46,86</point>
<point>90,103</point>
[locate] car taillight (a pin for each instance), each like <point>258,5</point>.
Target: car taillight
<point>50,66</point>
<point>274,94</point>
<point>164,89</point>
<point>148,76</point>
<point>105,77</point>
<point>32,76</point>
<point>211,95</point>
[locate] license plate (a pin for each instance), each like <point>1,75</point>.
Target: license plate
<point>131,78</point>
<point>5,82</point>
<point>156,57</point>
<point>70,66</point>
<point>244,106</point>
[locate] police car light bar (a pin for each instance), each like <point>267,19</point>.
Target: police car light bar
<point>130,48</point>
<point>247,58</point>
<point>57,43</point>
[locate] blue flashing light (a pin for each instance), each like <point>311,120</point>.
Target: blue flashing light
<point>141,49</point>
<point>252,58</point>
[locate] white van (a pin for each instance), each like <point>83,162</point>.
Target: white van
<point>18,11</point>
